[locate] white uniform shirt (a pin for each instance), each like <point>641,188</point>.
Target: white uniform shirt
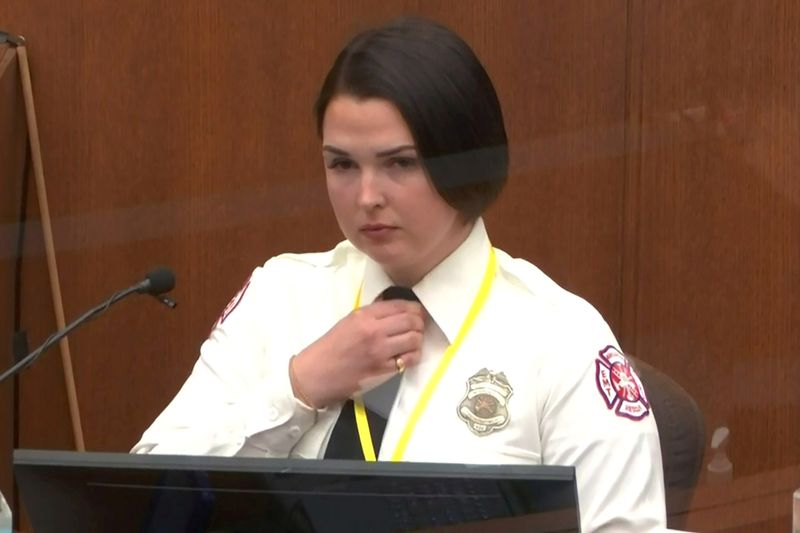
<point>566,398</point>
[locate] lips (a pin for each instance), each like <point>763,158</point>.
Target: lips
<point>377,230</point>
<point>376,227</point>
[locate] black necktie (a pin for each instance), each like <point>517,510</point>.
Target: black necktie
<point>344,442</point>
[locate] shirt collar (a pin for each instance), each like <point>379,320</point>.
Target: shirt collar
<point>447,291</point>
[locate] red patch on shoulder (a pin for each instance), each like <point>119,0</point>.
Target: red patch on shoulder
<point>619,385</point>
<point>233,304</point>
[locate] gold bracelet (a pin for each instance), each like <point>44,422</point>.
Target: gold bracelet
<point>296,386</point>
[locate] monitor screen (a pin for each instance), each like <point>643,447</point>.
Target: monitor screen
<point>70,491</point>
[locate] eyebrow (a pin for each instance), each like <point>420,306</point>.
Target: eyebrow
<point>384,153</point>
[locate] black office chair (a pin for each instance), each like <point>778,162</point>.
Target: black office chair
<point>681,430</point>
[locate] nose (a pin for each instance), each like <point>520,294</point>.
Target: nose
<point>370,194</point>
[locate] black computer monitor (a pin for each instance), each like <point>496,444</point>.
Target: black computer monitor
<point>86,492</point>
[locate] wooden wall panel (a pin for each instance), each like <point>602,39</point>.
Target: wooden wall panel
<point>716,293</point>
<point>560,72</point>
<point>182,133</point>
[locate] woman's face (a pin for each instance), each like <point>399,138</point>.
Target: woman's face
<point>383,200</point>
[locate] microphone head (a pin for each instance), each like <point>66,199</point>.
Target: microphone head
<point>158,281</point>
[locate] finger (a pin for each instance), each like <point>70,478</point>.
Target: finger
<point>404,342</point>
<point>412,358</point>
<point>408,360</point>
<point>383,309</point>
<point>402,323</point>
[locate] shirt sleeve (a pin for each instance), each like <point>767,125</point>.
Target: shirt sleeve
<point>238,399</point>
<point>590,420</point>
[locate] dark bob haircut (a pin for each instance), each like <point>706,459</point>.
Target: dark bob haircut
<point>445,96</point>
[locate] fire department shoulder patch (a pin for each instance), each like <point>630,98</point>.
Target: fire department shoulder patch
<point>619,385</point>
<point>232,304</point>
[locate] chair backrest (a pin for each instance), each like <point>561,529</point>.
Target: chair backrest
<point>681,430</point>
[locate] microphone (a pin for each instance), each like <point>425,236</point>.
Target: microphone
<point>157,282</point>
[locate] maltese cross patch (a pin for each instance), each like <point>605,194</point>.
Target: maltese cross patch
<point>619,385</point>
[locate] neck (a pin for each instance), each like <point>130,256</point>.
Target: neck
<point>413,274</point>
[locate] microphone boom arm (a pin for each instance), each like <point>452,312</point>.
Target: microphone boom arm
<point>141,287</point>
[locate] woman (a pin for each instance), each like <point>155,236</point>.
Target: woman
<point>495,363</point>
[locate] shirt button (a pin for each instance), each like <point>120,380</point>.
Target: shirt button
<point>272,414</point>
<point>294,431</point>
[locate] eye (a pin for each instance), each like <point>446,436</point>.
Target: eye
<point>342,164</point>
<point>403,163</point>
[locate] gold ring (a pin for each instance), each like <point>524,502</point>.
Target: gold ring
<point>398,362</point>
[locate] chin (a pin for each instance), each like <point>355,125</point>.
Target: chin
<point>388,259</point>
<point>390,254</point>
<point>383,257</point>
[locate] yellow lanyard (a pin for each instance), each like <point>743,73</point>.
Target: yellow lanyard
<point>364,434</point>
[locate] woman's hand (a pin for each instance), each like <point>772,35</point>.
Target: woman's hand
<point>360,347</point>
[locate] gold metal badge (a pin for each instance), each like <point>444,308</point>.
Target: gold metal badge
<point>484,407</point>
